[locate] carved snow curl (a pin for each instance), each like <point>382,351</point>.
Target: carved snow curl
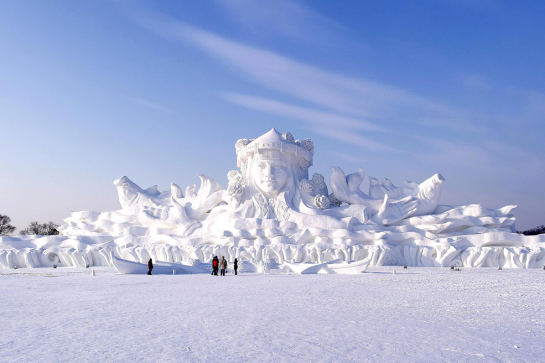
<point>333,201</point>
<point>235,177</point>
<point>288,136</point>
<point>235,190</point>
<point>304,163</point>
<point>307,144</point>
<point>305,186</point>
<point>318,181</point>
<point>321,202</point>
<point>241,143</point>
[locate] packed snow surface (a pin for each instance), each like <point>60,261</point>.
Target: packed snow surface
<point>414,315</point>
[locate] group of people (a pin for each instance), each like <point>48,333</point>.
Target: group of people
<point>222,266</point>
<point>216,264</point>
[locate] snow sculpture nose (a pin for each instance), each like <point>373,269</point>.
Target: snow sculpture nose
<point>269,175</point>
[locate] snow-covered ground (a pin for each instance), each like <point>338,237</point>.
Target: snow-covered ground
<point>416,315</point>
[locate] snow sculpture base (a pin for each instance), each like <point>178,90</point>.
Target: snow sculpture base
<point>272,216</point>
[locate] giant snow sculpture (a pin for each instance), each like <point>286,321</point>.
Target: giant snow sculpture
<point>273,212</point>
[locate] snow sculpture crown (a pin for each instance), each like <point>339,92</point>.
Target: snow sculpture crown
<point>274,141</point>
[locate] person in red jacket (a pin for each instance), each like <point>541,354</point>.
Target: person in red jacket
<point>150,266</point>
<point>215,266</point>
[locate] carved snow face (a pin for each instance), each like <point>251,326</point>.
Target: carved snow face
<point>270,175</point>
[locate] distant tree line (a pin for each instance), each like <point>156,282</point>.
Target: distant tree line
<point>44,229</point>
<point>533,231</point>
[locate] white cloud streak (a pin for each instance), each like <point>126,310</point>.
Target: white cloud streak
<point>476,82</point>
<point>351,105</point>
<point>329,124</point>
<point>148,104</point>
<point>282,17</point>
<point>326,89</point>
<point>457,125</point>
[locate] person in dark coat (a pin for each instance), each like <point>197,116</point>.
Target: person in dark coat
<point>215,265</point>
<point>213,268</point>
<point>235,265</point>
<point>223,265</point>
<point>150,266</point>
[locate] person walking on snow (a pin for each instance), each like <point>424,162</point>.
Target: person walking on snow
<point>223,265</point>
<point>235,266</point>
<point>215,264</point>
<point>150,266</point>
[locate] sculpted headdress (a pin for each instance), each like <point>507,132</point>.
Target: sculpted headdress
<point>302,150</point>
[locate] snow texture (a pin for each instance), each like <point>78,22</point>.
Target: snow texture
<point>415,315</point>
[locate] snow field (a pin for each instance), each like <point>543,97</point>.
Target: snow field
<point>416,315</point>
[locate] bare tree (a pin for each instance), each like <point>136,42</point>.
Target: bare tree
<point>533,231</point>
<point>5,227</point>
<point>46,229</point>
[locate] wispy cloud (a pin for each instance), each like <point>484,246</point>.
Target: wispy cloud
<point>327,89</point>
<point>349,136</point>
<point>476,82</point>
<point>455,153</point>
<point>533,108</point>
<point>329,124</point>
<point>491,155</point>
<point>457,125</point>
<point>480,5</point>
<point>148,104</point>
<point>351,158</point>
<point>342,107</point>
<point>283,17</point>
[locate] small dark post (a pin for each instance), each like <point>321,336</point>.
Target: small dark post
<point>404,267</point>
<point>54,266</point>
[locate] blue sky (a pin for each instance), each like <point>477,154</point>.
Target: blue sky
<point>160,91</point>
